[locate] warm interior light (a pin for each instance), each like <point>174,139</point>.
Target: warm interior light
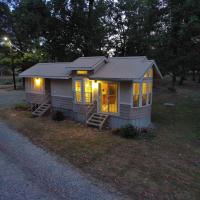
<point>82,72</point>
<point>37,82</point>
<point>78,89</point>
<point>94,85</point>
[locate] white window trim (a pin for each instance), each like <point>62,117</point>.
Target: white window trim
<point>140,96</point>
<point>118,96</point>
<point>83,81</point>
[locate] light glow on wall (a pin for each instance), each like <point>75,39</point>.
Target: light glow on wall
<point>94,86</point>
<point>37,82</point>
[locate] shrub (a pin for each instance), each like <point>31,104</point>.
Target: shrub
<point>22,107</point>
<point>58,116</point>
<point>128,131</point>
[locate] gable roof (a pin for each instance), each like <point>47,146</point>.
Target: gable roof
<point>48,70</point>
<point>87,63</point>
<point>124,68</point>
<point>114,68</point>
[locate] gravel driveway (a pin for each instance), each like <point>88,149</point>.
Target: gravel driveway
<point>11,97</point>
<point>28,172</point>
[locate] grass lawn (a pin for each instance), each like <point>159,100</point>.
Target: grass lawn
<point>166,166</point>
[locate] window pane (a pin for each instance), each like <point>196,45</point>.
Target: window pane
<point>150,93</point>
<point>151,73</point>
<point>88,91</point>
<point>136,100</point>
<point>136,94</point>
<point>78,91</point>
<point>82,72</point>
<point>144,94</point>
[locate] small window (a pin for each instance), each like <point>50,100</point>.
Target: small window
<point>78,91</point>
<point>136,94</point>
<point>81,72</point>
<point>149,73</point>
<point>88,91</point>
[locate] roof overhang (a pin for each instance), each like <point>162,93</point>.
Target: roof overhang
<point>41,76</point>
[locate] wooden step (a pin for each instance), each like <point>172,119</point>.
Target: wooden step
<point>41,110</point>
<point>97,120</point>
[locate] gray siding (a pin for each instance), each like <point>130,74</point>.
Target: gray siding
<point>125,92</point>
<point>117,122</point>
<point>62,102</point>
<point>34,98</point>
<point>80,111</point>
<point>66,105</point>
<point>61,88</point>
<point>127,112</point>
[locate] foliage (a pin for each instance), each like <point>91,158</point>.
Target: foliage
<point>22,107</point>
<point>61,30</point>
<point>58,116</point>
<point>128,131</point>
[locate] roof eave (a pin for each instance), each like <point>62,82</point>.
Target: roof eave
<point>41,76</point>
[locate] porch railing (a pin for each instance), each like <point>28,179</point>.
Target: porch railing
<point>91,109</point>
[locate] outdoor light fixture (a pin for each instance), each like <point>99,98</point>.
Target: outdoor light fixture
<point>37,82</point>
<point>5,39</point>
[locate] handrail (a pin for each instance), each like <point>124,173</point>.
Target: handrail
<point>91,109</point>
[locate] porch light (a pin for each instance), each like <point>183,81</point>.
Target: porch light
<point>5,39</point>
<point>37,82</point>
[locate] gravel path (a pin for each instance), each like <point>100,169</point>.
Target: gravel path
<point>29,173</point>
<point>10,98</point>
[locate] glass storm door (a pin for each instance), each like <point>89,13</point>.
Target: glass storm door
<point>109,97</point>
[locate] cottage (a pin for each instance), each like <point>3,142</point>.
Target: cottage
<point>94,90</point>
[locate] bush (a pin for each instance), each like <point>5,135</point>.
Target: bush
<point>58,116</point>
<point>127,131</point>
<point>22,107</point>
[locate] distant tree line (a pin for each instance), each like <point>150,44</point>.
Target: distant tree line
<point>62,30</point>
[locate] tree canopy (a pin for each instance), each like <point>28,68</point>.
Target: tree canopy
<point>62,30</point>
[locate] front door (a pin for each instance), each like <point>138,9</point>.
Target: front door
<point>109,97</point>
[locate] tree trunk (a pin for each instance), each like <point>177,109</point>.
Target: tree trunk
<point>182,78</point>
<point>193,75</point>
<point>199,77</point>
<point>13,74</point>
<point>173,87</point>
<point>174,80</point>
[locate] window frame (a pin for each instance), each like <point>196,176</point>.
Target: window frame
<point>148,82</point>
<point>83,96</point>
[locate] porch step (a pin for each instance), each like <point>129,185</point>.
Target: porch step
<point>97,120</point>
<point>41,110</point>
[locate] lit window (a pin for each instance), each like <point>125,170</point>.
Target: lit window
<point>81,72</point>
<point>78,93</point>
<point>149,73</point>
<point>144,94</point>
<point>136,94</point>
<point>38,85</point>
<point>88,91</point>
<point>150,87</point>
<point>142,97</point>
